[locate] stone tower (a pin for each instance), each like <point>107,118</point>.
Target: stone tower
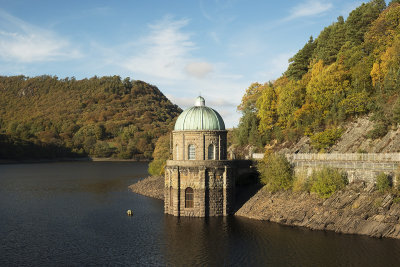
<point>199,181</point>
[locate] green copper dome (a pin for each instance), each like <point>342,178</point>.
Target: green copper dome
<point>199,118</point>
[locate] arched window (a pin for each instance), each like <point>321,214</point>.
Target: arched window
<point>192,152</point>
<point>177,152</point>
<point>189,197</point>
<point>211,151</point>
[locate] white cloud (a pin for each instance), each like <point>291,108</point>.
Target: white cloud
<point>309,8</point>
<point>164,52</point>
<point>22,42</point>
<point>274,67</point>
<point>221,94</point>
<point>183,102</point>
<point>198,69</point>
<point>164,57</point>
<point>186,102</point>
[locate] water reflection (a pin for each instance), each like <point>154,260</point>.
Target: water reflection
<point>74,214</point>
<point>66,177</point>
<point>195,241</point>
<point>236,241</point>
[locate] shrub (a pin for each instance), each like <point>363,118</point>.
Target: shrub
<point>276,172</point>
<point>103,150</point>
<point>156,167</point>
<point>326,138</point>
<point>383,182</point>
<point>161,155</point>
<point>380,130</point>
<point>124,155</point>
<point>327,181</point>
<point>301,182</point>
<point>396,181</point>
<point>396,200</point>
<point>356,103</point>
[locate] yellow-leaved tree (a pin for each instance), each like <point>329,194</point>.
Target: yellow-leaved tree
<point>388,64</point>
<point>160,155</point>
<point>328,86</point>
<point>290,97</point>
<point>250,97</point>
<point>266,106</point>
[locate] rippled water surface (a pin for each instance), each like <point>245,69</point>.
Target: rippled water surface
<point>68,214</point>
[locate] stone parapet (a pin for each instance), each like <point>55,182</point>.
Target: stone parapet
<point>211,163</point>
<point>358,166</point>
<point>377,166</point>
<point>376,157</point>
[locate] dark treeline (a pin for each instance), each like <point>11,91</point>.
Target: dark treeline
<point>48,117</point>
<point>352,68</point>
<point>17,149</point>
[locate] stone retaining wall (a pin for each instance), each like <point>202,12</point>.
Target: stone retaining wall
<point>365,157</point>
<point>357,166</point>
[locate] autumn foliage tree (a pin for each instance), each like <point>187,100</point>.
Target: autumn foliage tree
<point>99,117</point>
<point>352,68</point>
<point>160,155</point>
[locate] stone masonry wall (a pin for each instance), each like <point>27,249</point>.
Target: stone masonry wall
<point>358,166</point>
<point>212,186</point>
<point>201,140</point>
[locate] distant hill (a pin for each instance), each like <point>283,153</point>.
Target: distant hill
<point>351,70</point>
<point>48,117</point>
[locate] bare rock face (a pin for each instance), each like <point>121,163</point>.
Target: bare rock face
<point>354,139</point>
<point>152,186</point>
<point>355,210</point>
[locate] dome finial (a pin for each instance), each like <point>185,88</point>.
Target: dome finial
<point>199,118</point>
<point>200,102</point>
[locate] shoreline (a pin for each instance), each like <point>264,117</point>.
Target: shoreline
<point>151,186</point>
<point>22,161</point>
<point>358,209</point>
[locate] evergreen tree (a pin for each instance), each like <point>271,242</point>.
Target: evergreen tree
<point>360,19</point>
<point>352,68</point>
<point>300,62</point>
<point>247,132</point>
<point>330,41</point>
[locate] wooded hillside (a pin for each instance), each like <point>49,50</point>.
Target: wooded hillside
<point>103,117</point>
<point>352,68</point>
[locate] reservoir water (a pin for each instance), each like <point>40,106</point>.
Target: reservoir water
<point>74,214</point>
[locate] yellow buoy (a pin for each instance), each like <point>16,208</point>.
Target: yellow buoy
<point>129,212</point>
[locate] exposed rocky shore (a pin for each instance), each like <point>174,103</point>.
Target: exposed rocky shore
<point>358,209</point>
<point>152,186</point>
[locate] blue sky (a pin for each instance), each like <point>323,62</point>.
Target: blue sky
<point>215,48</point>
